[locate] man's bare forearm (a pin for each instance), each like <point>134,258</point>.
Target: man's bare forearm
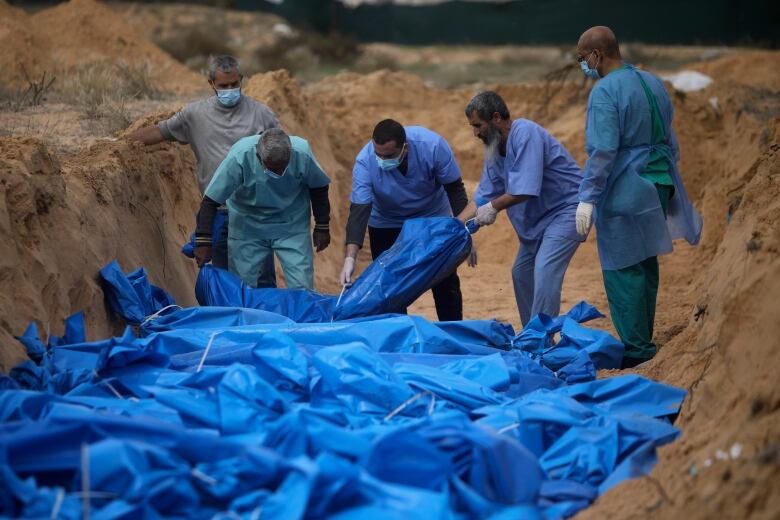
<point>148,135</point>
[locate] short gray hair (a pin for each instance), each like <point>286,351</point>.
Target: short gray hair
<point>274,146</point>
<point>225,63</point>
<point>487,103</point>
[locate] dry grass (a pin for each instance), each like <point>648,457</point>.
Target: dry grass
<point>101,91</point>
<point>31,96</point>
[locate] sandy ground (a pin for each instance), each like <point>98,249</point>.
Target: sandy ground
<point>72,199</point>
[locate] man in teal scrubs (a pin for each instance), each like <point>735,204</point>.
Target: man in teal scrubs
<point>631,188</point>
<point>269,182</point>
<point>211,126</point>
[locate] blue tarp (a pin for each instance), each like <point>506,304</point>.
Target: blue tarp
<point>217,287</point>
<point>221,412</point>
<point>427,250</point>
<point>132,296</point>
<point>188,249</point>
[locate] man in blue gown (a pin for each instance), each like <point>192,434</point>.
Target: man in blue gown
<point>631,188</point>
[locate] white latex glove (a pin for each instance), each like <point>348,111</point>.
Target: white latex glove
<point>472,260</point>
<point>584,217</point>
<point>346,272</point>
<point>486,214</point>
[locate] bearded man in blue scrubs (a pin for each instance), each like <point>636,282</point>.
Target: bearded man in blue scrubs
<point>403,173</point>
<point>528,173</point>
<point>631,188</point>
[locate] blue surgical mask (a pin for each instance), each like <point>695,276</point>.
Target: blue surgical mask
<point>389,164</point>
<point>229,97</point>
<point>591,73</point>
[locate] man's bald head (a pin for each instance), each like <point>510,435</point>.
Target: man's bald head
<point>599,38</point>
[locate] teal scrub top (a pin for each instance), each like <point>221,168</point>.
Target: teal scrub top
<point>263,205</point>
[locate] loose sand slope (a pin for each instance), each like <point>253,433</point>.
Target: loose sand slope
<point>78,33</point>
<point>24,48</point>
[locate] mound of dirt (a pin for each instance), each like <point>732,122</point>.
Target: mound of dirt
<point>82,32</point>
<point>757,69</point>
<point>24,48</point>
<point>62,221</point>
<point>190,32</point>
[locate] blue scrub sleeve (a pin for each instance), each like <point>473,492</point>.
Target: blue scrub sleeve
<point>446,169</point>
<point>602,141</point>
<point>525,169</point>
<point>362,192</point>
<point>227,179</point>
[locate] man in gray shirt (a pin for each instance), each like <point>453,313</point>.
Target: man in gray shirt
<point>211,126</point>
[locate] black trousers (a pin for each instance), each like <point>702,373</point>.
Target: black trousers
<point>446,294</point>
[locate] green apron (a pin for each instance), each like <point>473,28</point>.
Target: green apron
<point>632,291</point>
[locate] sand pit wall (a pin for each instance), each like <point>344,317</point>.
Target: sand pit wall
<point>62,220</point>
<point>725,353</point>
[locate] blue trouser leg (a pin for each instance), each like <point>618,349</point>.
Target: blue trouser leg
<point>552,260</point>
<point>538,274</point>
<point>245,256</point>
<point>523,278</point>
<point>295,254</point>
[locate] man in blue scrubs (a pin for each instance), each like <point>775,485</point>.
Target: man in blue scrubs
<point>528,173</point>
<point>402,173</point>
<point>631,187</point>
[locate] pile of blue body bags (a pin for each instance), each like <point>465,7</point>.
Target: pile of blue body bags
<point>277,404</point>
